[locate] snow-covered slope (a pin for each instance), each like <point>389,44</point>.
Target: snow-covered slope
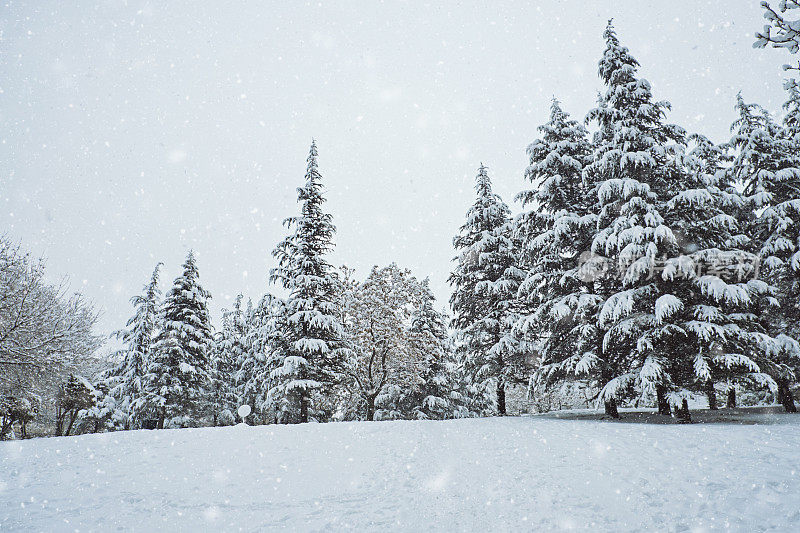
<point>480,474</point>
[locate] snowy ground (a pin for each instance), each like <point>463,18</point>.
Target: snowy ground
<point>485,474</point>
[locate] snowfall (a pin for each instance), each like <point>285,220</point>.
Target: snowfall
<point>513,473</point>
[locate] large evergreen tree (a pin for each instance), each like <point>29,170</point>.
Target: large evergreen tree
<point>632,173</point>
<point>178,371</point>
<point>124,380</point>
<point>767,167</point>
<point>555,234</point>
<point>678,295</point>
<point>311,365</point>
<point>485,280</point>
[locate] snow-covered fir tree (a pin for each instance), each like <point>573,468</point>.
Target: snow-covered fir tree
<point>679,295</point>
<point>767,166</point>
<point>261,348</point>
<point>433,398</point>
<point>485,280</point>
<point>312,364</point>
<point>554,233</point>
<point>228,350</point>
<point>124,380</point>
<point>633,172</point>
<point>708,313</point>
<point>178,369</point>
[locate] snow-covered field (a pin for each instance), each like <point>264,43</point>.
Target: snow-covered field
<point>526,473</point>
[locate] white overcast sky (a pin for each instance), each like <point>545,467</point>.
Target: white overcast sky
<point>133,131</point>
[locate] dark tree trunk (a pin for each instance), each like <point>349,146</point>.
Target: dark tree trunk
<point>663,404</point>
<point>6,427</point>
<point>711,394</point>
<point>731,397</point>
<point>71,421</point>
<point>303,409</point>
<point>253,419</point>
<point>60,421</point>
<point>611,408</point>
<point>161,416</point>
<point>370,407</point>
<point>785,396</point>
<point>501,397</point>
<point>683,413</point>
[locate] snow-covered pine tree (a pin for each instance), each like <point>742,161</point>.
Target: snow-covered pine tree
<point>102,414</point>
<point>178,371</point>
<point>311,366</point>
<point>124,380</point>
<point>678,299</point>
<point>264,348</point>
<point>768,167</point>
<point>632,173</point>
<point>649,286</point>
<point>558,307</point>
<point>252,372</point>
<point>429,337</point>
<point>485,281</point>
<point>227,351</point>
<point>708,312</point>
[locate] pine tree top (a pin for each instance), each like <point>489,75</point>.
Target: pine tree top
<point>633,142</point>
<point>486,214</point>
<point>302,252</point>
<point>617,66</point>
<point>557,160</point>
<point>751,117</point>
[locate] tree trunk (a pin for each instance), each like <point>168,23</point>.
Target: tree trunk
<point>6,426</point>
<point>683,413</point>
<point>303,409</point>
<point>785,396</point>
<point>60,414</point>
<point>611,408</point>
<point>501,398</point>
<point>370,407</point>
<point>71,421</point>
<point>663,404</point>
<point>731,397</point>
<point>161,416</point>
<point>711,394</point>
